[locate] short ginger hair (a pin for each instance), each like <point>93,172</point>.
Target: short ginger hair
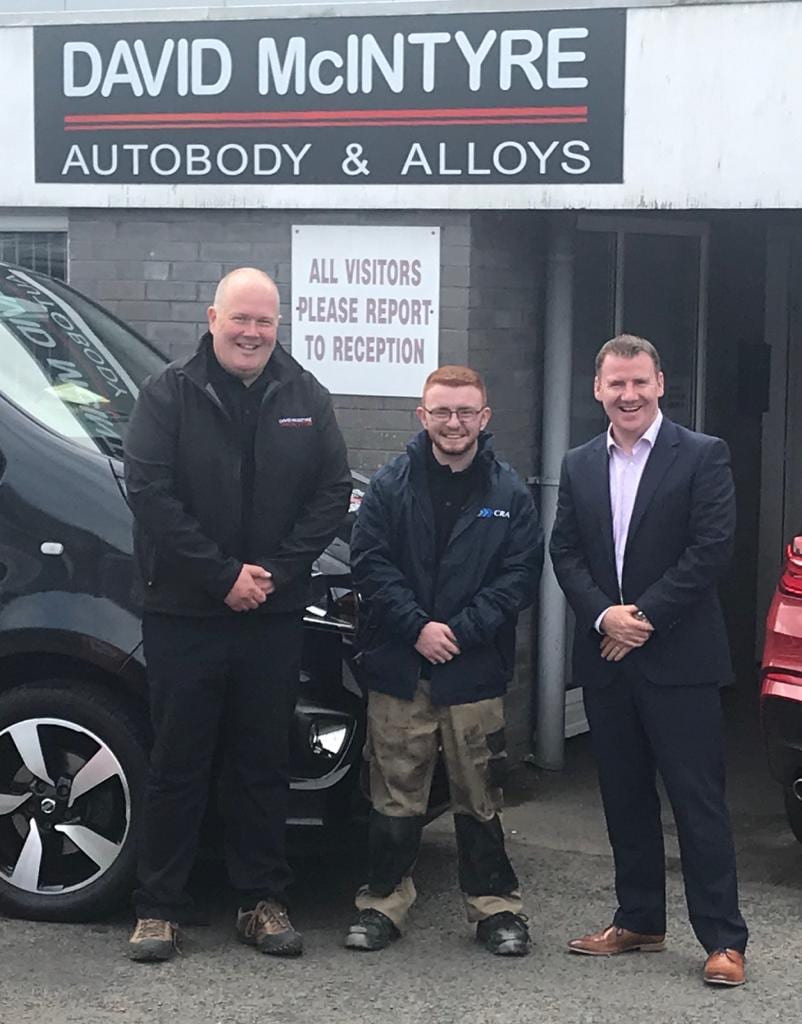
<point>456,377</point>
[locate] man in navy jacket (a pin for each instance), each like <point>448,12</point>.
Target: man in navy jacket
<point>446,551</point>
<point>644,531</point>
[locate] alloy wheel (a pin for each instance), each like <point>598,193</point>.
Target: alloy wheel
<point>65,806</point>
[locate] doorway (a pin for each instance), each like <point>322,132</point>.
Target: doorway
<point>643,276</point>
<point>781,470</point>
<point>646,276</point>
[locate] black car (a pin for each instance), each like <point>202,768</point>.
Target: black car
<point>73,698</point>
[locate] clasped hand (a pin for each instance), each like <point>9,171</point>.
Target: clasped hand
<point>251,588</point>
<point>623,632</point>
<point>437,643</point>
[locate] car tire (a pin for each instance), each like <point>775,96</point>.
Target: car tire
<point>793,811</point>
<point>67,849</point>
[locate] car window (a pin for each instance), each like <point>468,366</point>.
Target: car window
<point>67,362</point>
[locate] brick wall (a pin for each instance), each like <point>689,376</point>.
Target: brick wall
<point>157,269</point>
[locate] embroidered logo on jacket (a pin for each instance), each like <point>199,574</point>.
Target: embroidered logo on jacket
<point>492,513</point>
<point>295,421</point>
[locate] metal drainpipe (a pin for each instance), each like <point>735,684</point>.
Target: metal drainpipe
<point>550,731</point>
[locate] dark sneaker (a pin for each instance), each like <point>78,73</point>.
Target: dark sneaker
<point>268,928</point>
<point>372,930</point>
<point>153,940</point>
<point>505,934</point>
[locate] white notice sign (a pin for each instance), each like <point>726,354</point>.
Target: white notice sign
<point>365,307</point>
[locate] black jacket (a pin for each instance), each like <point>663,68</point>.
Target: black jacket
<point>488,573</point>
<point>183,460</point>
<point>679,544</point>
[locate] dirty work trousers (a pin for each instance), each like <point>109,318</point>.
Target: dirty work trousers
<point>402,749</point>
<point>231,680</point>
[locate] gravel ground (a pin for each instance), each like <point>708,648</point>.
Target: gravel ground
<point>79,974</point>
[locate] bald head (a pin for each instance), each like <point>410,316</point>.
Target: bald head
<point>243,322</point>
<point>243,275</point>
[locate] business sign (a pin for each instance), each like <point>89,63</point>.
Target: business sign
<point>366,306</point>
<point>526,97</point>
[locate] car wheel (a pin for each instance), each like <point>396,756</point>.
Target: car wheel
<point>72,769</point>
<point>793,811</point>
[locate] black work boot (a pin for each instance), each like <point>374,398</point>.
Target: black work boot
<point>372,930</point>
<point>268,928</point>
<point>505,934</point>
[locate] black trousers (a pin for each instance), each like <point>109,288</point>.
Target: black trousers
<point>231,680</point>
<point>639,729</point>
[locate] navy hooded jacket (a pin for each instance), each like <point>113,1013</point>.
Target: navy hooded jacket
<point>488,573</point>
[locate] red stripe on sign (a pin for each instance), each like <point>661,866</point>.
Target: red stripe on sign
<point>283,117</point>
<point>166,125</point>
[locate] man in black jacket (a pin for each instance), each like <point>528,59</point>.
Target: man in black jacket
<point>237,476</point>
<point>446,551</point>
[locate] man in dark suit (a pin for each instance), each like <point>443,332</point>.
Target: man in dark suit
<point>644,530</point>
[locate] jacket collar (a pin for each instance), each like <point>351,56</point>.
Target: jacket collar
<point>416,450</point>
<point>598,479</point>
<point>417,447</point>
<point>195,366</point>
<point>662,455</point>
<point>649,436</point>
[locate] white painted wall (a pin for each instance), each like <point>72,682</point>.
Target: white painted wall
<point>33,10</point>
<point>713,119</point>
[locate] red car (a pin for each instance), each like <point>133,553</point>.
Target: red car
<point>781,690</point>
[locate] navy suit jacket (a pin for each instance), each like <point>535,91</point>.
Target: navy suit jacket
<point>679,544</point>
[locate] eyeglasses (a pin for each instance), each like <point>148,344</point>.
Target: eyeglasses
<point>444,415</point>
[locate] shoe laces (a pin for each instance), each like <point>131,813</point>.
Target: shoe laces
<point>728,953</point>
<point>154,928</point>
<point>264,913</point>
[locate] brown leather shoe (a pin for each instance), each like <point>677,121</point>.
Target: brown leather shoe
<point>614,940</point>
<point>725,967</point>
<point>267,926</point>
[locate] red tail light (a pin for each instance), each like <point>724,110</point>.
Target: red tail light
<point>782,684</point>
<point>791,579</point>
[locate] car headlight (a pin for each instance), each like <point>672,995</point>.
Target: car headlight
<point>327,738</point>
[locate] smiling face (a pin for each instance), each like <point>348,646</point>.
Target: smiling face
<point>244,323</point>
<point>630,390</point>
<point>454,440</point>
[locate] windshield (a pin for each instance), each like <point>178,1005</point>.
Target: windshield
<point>67,362</point>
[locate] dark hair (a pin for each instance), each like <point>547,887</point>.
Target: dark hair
<point>628,346</point>
<point>456,377</point>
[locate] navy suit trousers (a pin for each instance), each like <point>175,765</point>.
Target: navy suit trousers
<point>639,729</point>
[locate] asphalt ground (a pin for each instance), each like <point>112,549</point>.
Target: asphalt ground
<point>79,974</point>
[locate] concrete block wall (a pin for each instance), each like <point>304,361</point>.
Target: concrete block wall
<point>505,346</point>
<point>504,332</point>
<point>157,270</point>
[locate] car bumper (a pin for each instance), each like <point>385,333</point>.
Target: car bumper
<point>781,722</point>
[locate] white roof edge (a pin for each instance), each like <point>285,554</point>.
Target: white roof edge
<point>336,8</point>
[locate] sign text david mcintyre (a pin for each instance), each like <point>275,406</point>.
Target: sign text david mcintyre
<point>530,97</point>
